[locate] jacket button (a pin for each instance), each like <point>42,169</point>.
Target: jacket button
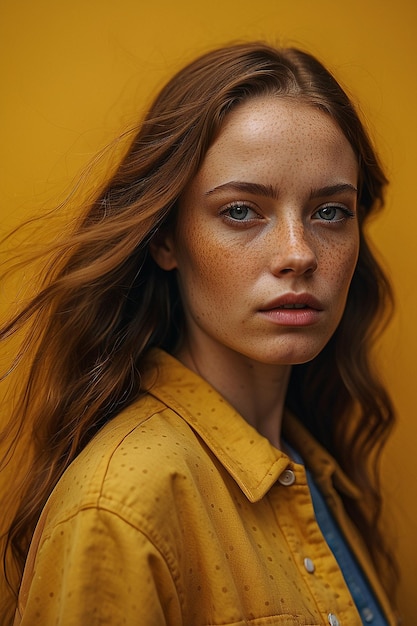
<point>332,619</point>
<point>309,565</point>
<point>287,478</point>
<point>368,616</point>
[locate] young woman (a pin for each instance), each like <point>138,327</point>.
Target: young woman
<point>204,417</point>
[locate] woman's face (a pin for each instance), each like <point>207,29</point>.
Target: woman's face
<point>267,235</point>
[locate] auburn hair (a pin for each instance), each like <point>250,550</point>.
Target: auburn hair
<point>104,302</point>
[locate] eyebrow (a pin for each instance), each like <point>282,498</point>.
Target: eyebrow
<point>269,191</point>
<point>331,190</point>
<point>254,188</point>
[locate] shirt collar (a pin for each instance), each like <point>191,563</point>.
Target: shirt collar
<point>322,465</point>
<point>248,457</point>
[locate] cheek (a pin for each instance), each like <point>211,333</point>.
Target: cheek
<point>203,254</point>
<point>339,264</point>
<point>205,268</point>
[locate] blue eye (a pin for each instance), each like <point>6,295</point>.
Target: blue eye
<point>239,212</point>
<point>333,213</point>
<point>328,212</point>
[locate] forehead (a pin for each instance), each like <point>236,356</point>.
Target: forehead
<point>278,118</point>
<point>277,114</point>
<point>280,129</point>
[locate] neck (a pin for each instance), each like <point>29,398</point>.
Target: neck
<point>256,390</point>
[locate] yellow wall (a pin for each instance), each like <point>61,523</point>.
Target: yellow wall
<point>74,74</point>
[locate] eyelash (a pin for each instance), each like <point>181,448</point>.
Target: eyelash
<point>347,213</point>
<point>238,205</point>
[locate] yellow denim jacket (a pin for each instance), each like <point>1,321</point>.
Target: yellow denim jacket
<point>178,513</point>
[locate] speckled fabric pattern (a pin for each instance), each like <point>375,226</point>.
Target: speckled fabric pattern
<point>179,513</point>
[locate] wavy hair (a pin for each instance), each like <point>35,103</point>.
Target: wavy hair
<point>104,302</point>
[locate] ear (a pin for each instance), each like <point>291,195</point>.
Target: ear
<point>162,249</point>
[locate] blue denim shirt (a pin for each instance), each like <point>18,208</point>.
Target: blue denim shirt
<point>359,588</point>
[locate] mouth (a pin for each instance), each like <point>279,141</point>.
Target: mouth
<point>293,310</point>
<point>294,301</point>
<point>293,306</point>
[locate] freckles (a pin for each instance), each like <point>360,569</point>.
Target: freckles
<point>338,262</point>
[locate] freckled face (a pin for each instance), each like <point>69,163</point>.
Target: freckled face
<point>267,238</point>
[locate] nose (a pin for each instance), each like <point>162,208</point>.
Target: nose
<point>294,251</point>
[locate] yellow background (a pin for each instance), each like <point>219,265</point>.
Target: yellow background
<point>75,74</point>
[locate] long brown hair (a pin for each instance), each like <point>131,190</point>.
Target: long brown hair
<point>105,302</point>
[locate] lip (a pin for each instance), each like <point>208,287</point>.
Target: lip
<point>294,299</point>
<point>309,314</point>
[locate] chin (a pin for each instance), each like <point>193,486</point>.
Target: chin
<point>291,355</point>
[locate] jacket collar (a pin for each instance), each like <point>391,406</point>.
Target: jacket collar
<point>322,465</point>
<point>248,457</point>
